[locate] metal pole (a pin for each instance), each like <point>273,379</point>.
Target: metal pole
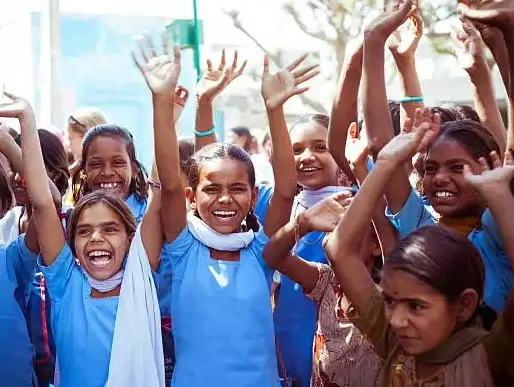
<point>49,63</point>
<point>196,41</point>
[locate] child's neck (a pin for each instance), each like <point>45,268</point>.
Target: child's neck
<point>224,255</point>
<point>427,371</point>
<point>111,293</point>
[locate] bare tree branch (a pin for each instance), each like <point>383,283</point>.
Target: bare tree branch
<point>276,58</point>
<point>293,12</point>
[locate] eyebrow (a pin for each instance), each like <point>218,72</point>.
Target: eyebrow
<point>406,299</point>
<point>103,224</point>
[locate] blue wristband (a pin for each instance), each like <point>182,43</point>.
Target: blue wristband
<point>412,99</point>
<point>205,134</point>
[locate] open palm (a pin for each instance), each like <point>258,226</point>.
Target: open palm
<point>469,46</point>
<point>161,72</point>
<point>214,81</point>
<point>404,41</point>
<point>325,215</point>
<point>279,87</point>
<point>495,180</point>
<point>415,136</point>
<point>388,21</point>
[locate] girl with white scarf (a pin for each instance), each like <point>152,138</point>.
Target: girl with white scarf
<point>105,315</point>
<point>220,306</point>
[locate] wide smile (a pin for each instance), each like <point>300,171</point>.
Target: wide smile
<point>110,185</point>
<point>309,169</point>
<point>224,216</point>
<point>100,258</point>
<point>443,197</point>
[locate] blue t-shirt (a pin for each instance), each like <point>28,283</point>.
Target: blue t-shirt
<point>295,314</point>
<point>138,207</point>
<point>83,326</point>
<point>222,318</point>
<point>486,238</point>
<point>17,267</point>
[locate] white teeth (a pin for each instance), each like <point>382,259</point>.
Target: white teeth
<point>109,185</point>
<point>444,194</point>
<point>224,214</point>
<point>100,258</point>
<point>308,169</point>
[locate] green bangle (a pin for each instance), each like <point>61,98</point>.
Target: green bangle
<point>412,99</point>
<point>205,134</point>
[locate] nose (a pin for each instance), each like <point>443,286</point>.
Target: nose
<point>307,155</point>
<point>225,198</point>
<point>107,170</point>
<point>441,177</point>
<point>398,317</point>
<point>96,236</point>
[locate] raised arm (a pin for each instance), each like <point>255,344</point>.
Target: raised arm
<point>403,44</point>
<point>345,108</point>
<point>499,14</point>
<point>48,224</point>
<point>343,245</point>
<point>276,90</point>
<point>278,253</point>
<point>212,83</point>
<point>470,52</point>
<point>151,225</point>
<point>376,112</point>
<point>161,74</point>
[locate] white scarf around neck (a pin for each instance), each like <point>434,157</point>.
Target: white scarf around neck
<point>104,286</point>
<point>309,197</point>
<point>213,239</point>
<point>137,358</point>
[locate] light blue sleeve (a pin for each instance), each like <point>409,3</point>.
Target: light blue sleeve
<point>24,263</point>
<point>59,273</point>
<point>175,251</point>
<point>412,216</point>
<point>262,204</point>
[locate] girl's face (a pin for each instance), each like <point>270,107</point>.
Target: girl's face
<point>420,316</point>
<point>315,165</point>
<point>108,165</point>
<point>224,195</point>
<point>101,241</point>
<point>444,184</point>
<point>73,143</point>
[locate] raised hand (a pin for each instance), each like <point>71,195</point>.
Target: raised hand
<point>356,151</point>
<point>12,106</point>
<point>161,72</point>
<point>391,19</point>
<point>493,181</point>
<point>416,136</point>
<point>278,88</point>
<point>214,81</point>
<point>403,43</point>
<point>498,13</point>
<point>325,215</point>
<point>469,46</point>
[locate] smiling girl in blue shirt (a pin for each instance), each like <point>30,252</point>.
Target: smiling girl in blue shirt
<point>221,309</point>
<point>84,275</point>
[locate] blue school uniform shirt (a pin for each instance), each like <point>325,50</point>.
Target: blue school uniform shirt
<point>486,238</point>
<point>295,314</point>
<point>222,318</point>
<point>17,267</point>
<point>83,326</point>
<point>137,207</point>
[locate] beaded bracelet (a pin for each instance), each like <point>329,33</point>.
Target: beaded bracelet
<point>154,184</point>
